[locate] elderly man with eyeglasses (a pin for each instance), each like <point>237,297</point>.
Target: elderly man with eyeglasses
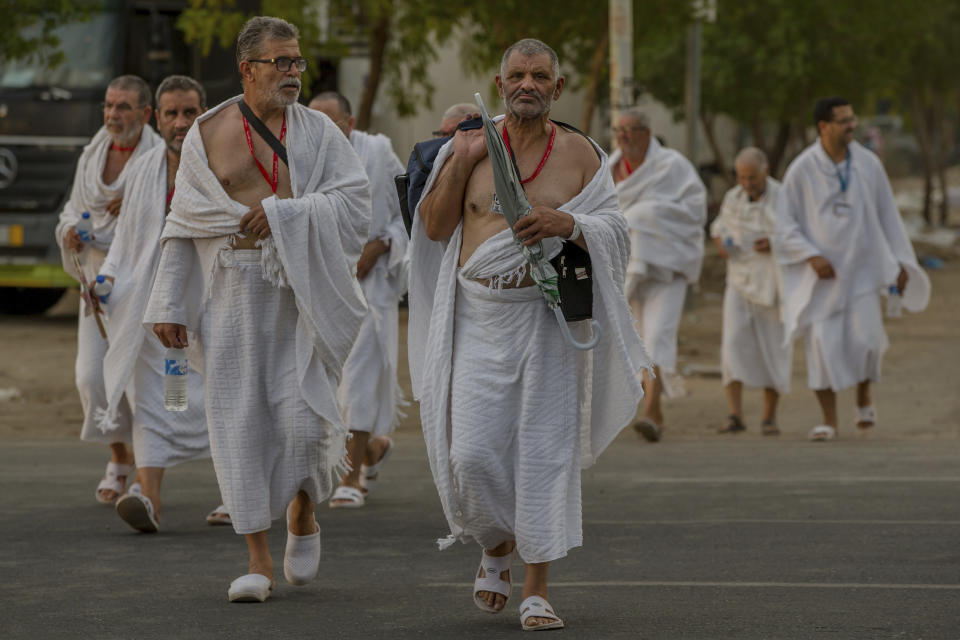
<point>98,186</point>
<point>841,242</point>
<point>269,216</point>
<point>665,204</point>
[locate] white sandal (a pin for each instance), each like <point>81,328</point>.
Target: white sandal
<point>136,510</point>
<point>111,481</point>
<point>822,433</point>
<point>301,557</point>
<point>345,497</point>
<point>537,607</point>
<point>219,516</point>
<point>370,475</point>
<point>492,567</point>
<point>866,414</point>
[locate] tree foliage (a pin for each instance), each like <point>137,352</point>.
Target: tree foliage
<point>27,28</point>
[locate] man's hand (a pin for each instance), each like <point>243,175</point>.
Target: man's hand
<point>72,240</point>
<point>543,222</point>
<point>761,245</point>
<point>470,145</point>
<point>113,207</point>
<point>902,280</point>
<point>255,222</point>
<point>371,253</point>
<point>822,266</point>
<point>171,335</point>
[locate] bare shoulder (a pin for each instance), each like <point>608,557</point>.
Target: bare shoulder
<point>214,127</point>
<point>578,149</point>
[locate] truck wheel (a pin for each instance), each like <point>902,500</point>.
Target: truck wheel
<point>23,301</point>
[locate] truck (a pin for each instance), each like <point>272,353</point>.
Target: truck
<point>47,115</point>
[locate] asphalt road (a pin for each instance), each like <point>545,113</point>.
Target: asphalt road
<point>731,538</point>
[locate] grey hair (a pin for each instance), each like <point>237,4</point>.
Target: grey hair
<point>461,110</point>
<point>133,83</point>
<point>752,155</point>
<point>531,47</point>
<point>333,96</point>
<point>182,83</point>
<point>638,114</point>
<point>258,29</point>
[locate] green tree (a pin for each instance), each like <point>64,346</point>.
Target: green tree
<point>28,26</point>
<point>401,38</point>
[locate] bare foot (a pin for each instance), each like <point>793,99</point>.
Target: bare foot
<point>496,600</point>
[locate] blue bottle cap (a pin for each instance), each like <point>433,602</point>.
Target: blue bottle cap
<point>100,279</point>
<point>85,215</point>
<point>894,290</point>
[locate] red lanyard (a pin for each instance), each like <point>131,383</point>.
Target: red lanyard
<point>125,149</point>
<point>546,154</point>
<point>170,194</point>
<point>275,181</point>
<point>627,165</point>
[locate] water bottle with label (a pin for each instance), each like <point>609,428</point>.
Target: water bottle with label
<point>102,288</point>
<point>84,227</point>
<point>175,380</point>
<point>894,302</point>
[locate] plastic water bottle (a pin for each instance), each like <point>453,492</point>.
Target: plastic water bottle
<point>84,227</point>
<point>175,380</point>
<point>102,288</point>
<point>894,302</point>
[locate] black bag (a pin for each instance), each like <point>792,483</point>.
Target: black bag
<point>410,184</point>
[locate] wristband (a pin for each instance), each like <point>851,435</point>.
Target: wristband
<point>576,232</point>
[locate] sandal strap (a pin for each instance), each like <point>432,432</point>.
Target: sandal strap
<point>347,493</point>
<point>866,414</point>
<point>536,607</point>
<point>493,567</point>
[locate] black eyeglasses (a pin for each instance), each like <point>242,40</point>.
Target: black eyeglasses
<point>122,107</point>
<point>283,63</point>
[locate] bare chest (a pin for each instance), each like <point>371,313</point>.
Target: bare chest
<point>247,177</point>
<point>113,167</point>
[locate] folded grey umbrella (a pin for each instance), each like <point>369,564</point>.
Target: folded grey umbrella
<point>514,205</point>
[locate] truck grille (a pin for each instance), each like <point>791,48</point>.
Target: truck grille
<point>43,178</point>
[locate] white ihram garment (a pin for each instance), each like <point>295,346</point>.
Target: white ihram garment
<point>90,194</point>
<point>753,349</point>
<point>134,363</point>
<point>369,393</point>
<point>665,204</point>
<point>525,391</point>
<point>275,325</point>
<point>862,235</point>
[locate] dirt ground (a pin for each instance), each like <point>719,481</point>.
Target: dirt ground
<point>917,398</point>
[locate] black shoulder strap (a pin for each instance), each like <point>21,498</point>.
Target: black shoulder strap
<point>573,129</point>
<point>264,132</point>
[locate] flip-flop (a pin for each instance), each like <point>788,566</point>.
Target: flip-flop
<point>136,510</point>
<point>219,516</point>
<point>769,428</point>
<point>733,425</point>
<point>537,607</point>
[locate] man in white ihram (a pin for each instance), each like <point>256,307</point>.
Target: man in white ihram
<point>98,189</point>
<point>753,351</point>
<point>840,241</point>
<point>369,392</point>
<point>259,259</point>
<point>510,410</point>
<point>665,204</point>
<point>134,363</point>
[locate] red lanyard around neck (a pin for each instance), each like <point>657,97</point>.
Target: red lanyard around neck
<point>546,154</point>
<point>626,165</point>
<point>275,180</point>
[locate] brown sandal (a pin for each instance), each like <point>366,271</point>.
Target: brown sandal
<point>733,425</point>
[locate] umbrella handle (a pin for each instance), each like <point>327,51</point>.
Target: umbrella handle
<point>565,330</point>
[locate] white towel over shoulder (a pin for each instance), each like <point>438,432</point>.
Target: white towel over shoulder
<point>317,236</point>
<point>665,204</point>
<point>608,375</point>
<point>89,193</point>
